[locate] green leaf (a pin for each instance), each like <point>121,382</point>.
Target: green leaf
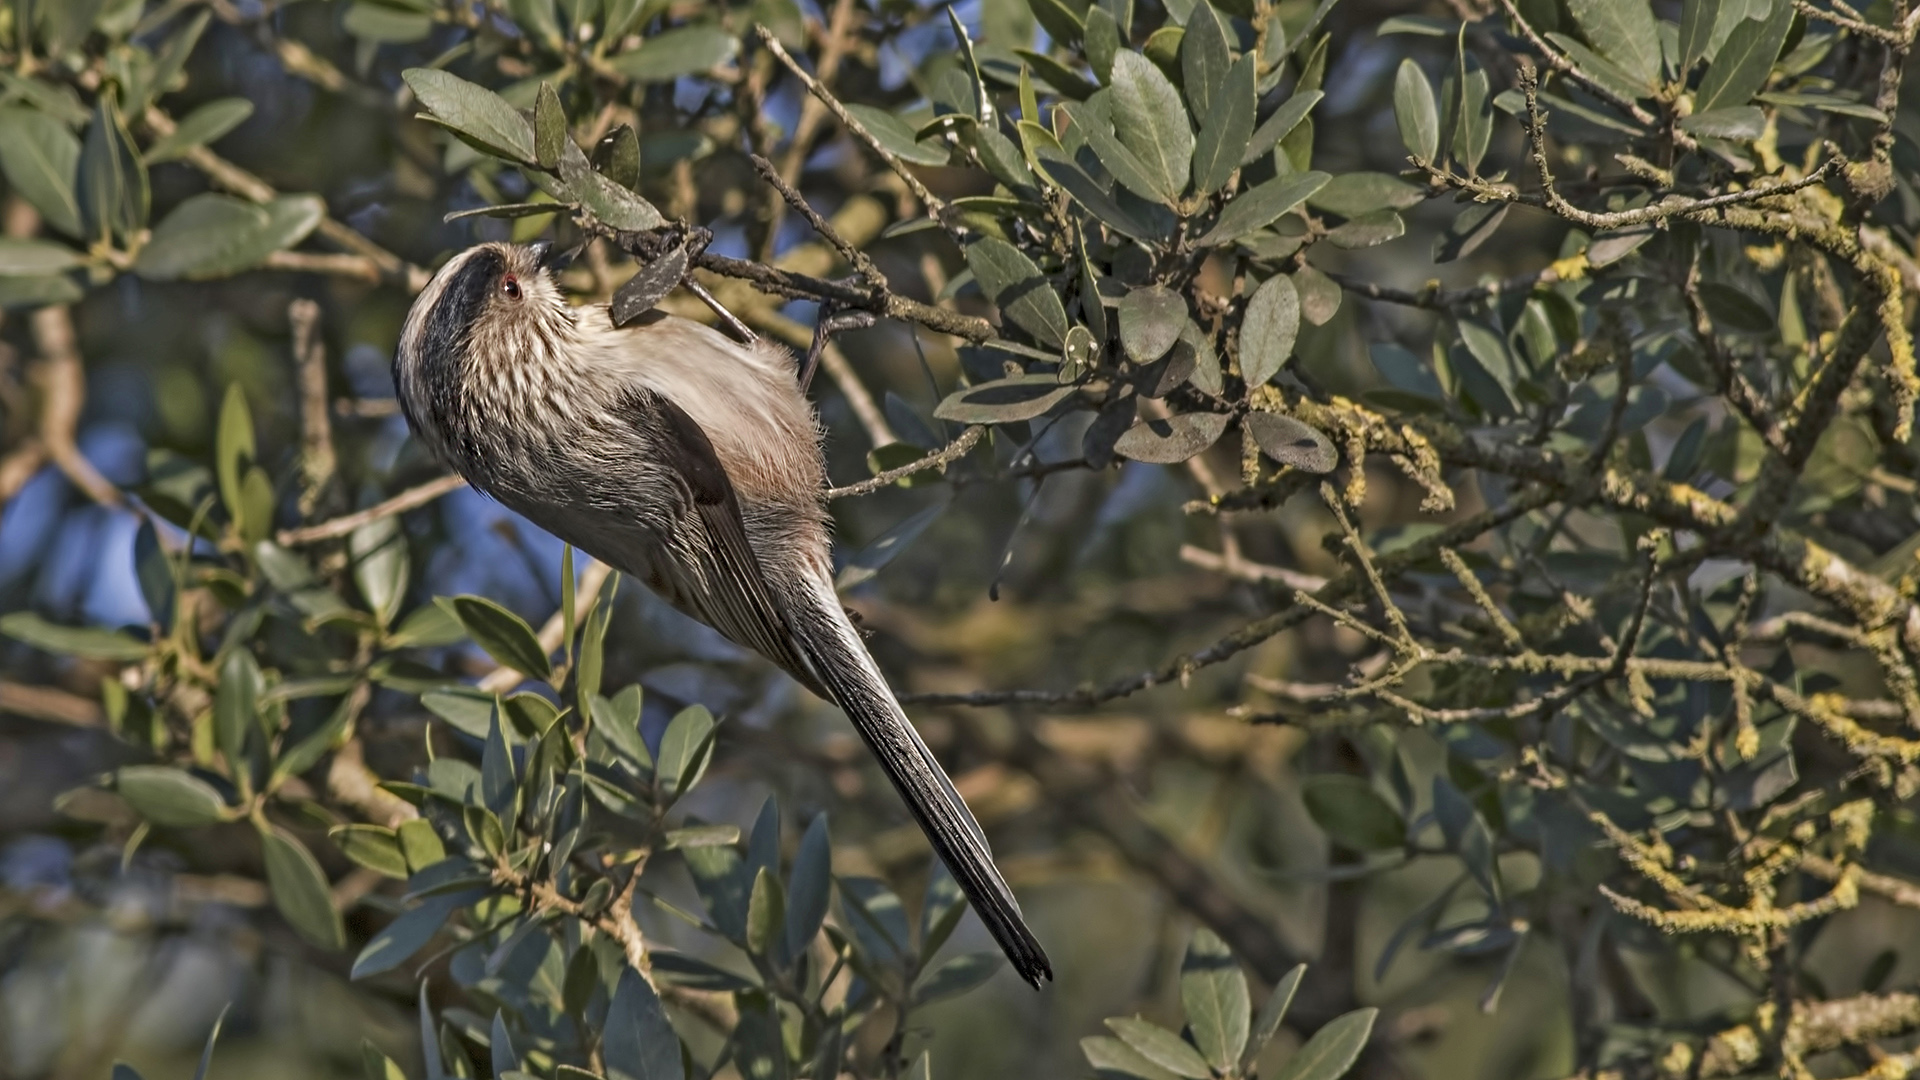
<point>1292,442</point>
<point>896,136</point>
<point>1467,835</point>
<point>1003,401</point>
<point>170,797</point>
<point>200,127</point>
<point>299,889</point>
<point>1151,319</point>
<point>32,292</point>
<point>505,636</point>
<point>1062,21</point>
<point>1739,122</point>
<point>766,913</point>
<point>86,642</point>
<point>1102,43</point>
<point>1173,439</point>
<point>1019,289</point>
<point>379,23</point>
<point>1332,1050</point>
<point>1319,294</point>
<point>1471,228</point>
<point>1740,69</point>
<point>1213,990</point>
<point>406,935</point>
<point>29,258</point>
<point>686,50</point>
<point>1267,1024</point>
<point>1696,30</point>
<point>639,1043</point>
<point>956,976</point>
<point>1268,329</point>
<point>498,782</point>
<point>863,564</point>
<point>1259,207</point>
<point>213,235</point>
<point>500,1048</point>
<point>479,116</point>
<point>1160,1046</point>
<point>206,1050</point>
<point>1370,229</point>
<point>379,553</point>
<point>1352,194</point>
<point>1624,31</point>
<point>1472,122</point>
<point>375,847</point>
<point>1204,60</point>
<point>614,205</point>
<point>305,754</point>
<point>1414,110</point>
<point>1281,124</point>
<point>1352,814</point>
<point>1224,131</point>
<point>549,127</point>
<point>1150,121</point>
<point>617,156</point>
<point>809,891</point>
<point>420,844</point>
<point>1094,198</point>
<point>235,706</point>
<point>1110,1057</point>
<point>685,749</point>
<point>112,186</point>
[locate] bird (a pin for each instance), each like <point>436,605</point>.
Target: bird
<point>688,461</point>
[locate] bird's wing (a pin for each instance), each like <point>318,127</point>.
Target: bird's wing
<point>706,567</point>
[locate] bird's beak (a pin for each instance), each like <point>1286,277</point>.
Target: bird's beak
<point>553,260</point>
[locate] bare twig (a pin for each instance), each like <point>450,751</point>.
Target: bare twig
<point>317,459</point>
<point>939,459</point>
<point>399,504</point>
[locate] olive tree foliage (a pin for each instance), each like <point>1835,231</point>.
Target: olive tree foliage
<point>1617,612</point>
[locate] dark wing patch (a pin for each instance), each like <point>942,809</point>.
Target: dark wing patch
<point>707,567</point>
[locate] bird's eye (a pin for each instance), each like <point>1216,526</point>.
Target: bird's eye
<point>510,285</point>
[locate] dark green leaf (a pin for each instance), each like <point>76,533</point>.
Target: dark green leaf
<point>1739,70</point>
<point>299,889</point>
<point>1696,30</point>
<point>112,187</point>
<point>896,136</point>
<point>1368,230</point>
<point>200,127</point>
<point>1150,121</point>
<point>685,749</point>
<point>1268,329</point>
<point>1019,289</point>
<point>875,556</point>
<point>1352,814</point>
<point>377,22</point>
<point>1471,126</point>
<point>1271,1014</point>
<point>29,258</point>
<point>1281,124</point>
<point>955,977</point>
<point>1172,440</point>
<point>1319,295</point>
<point>1332,1050</point>
<point>1610,247</point>
<point>639,1042</point>
<point>87,642</point>
<point>1003,401</point>
<point>1471,228</point>
<point>1094,198</point>
<point>686,50</point>
<point>473,112</point>
<point>612,204</point>
<point>379,553</point>
<point>766,913</point>
<point>810,889</point>
<point>1624,31</point>
<point>1292,442</point>
<point>1225,129</point>
<point>406,935</point>
<point>1204,60</point>
<point>375,847</point>
<point>1151,319</point>
<point>550,128</point>
<point>1160,1046</point>
<point>1103,44</point>
<point>1353,194</point>
<point>1061,20</point>
<point>235,704</point>
<point>1213,990</point>
<point>1467,835</point>
<point>616,156</point>
<point>505,636</point>
<point>1257,208</point>
<point>1111,1057</point>
<point>212,235</point>
<point>170,797</point>
<point>498,783</point>
<point>1738,122</point>
<point>1414,110</point>
<point>500,1048</point>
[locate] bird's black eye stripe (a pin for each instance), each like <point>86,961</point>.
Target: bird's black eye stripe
<point>444,339</point>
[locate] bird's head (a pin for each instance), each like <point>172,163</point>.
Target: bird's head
<point>493,314</point>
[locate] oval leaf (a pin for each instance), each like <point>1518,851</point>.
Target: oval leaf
<point>1415,111</point>
<point>505,636</point>
<point>1151,319</point>
<point>1160,1046</point>
<point>299,889</point>
<point>1150,121</point>
<point>1291,442</point>
<point>475,113</point>
<point>1003,401</point>
<point>169,796</point>
<point>1332,1050</point>
<point>1268,330</point>
<point>1257,208</point>
<point>1172,440</point>
<point>1019,289</point>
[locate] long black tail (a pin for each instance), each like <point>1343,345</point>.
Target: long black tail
<point>841,664</point>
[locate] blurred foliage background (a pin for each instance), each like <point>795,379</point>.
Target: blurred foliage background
<point>1424,489</point>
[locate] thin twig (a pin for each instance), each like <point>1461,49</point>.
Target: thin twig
<point>399,504</point>
<point>317,458</point>
<point>939,459</point>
